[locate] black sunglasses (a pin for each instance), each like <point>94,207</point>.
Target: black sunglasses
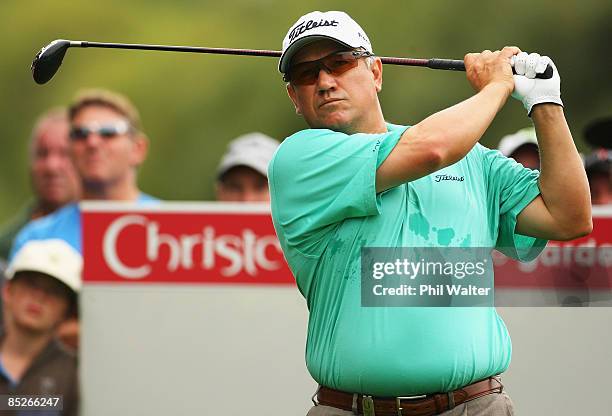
<point>337,63</point>
<point>105,131</point>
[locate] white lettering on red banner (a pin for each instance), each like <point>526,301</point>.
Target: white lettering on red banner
<point>185,247</point>
<point>161,246</point>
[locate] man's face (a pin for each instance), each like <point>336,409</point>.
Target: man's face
<point>103,159</point>
<point>601,188</point>
<point>54,177</point>
<point>346,102</point>
<point>36,302</point>
<point>243,184</point>
<point>528,156</point>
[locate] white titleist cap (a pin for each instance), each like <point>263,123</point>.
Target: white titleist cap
<point>508,144</point>
<point>337,26</point>
<point>53,257</point>
<point>254,150</point>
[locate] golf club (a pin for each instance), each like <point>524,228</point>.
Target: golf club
<point>48,60</point>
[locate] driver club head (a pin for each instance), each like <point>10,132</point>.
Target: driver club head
<point>48,60</point>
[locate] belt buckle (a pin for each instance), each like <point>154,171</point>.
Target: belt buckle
<point>368,406</point>
<point>398,401</point>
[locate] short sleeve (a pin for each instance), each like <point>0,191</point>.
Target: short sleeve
<point>320,177</point>
<point>511,187</point>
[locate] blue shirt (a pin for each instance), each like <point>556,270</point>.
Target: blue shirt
<point>64,224</point>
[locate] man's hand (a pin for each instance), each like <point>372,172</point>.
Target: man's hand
<point>488,68</point>
<point>531,90</point>
<point>448,135</point>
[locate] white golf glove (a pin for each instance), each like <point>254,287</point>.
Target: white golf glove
<point>531,90</point>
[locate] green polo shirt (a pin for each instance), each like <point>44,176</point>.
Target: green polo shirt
<point>325,209</point>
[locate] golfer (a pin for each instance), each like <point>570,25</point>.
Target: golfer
<point>354,180</point>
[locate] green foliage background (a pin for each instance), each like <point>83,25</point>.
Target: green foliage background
<point>192,105</point>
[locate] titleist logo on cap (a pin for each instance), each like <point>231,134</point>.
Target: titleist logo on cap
<point>311,24</point>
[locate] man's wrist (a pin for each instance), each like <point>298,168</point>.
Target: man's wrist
<point>503,88</point>
<point>546,111</point>
<point>500,91</point>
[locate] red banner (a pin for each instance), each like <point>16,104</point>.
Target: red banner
<point>584,263</point>
<point>241,247</point>
<point>182,247</point>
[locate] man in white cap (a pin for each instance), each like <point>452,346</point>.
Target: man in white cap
<point>242,175</point>
<point>43,280</point>
<point>522,146</point>
<point>354,181</point>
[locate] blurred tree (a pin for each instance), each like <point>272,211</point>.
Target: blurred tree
<point>192,105</point>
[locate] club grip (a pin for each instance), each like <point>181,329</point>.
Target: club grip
<point>458,65</point>
<point>448,64</point>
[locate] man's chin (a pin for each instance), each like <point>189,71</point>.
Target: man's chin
<point>336,122</point>
<point>56,199</point>
<point>34,327</point>
<point>94,179</point>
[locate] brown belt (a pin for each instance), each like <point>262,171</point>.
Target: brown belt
<point>423,405</point>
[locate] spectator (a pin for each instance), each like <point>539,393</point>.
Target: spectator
<point>107,146</point>
<point>54,179</point>
<point>242,175</point>
<point>598,164</point>
<point>43,280</point>
<point>522,146</point>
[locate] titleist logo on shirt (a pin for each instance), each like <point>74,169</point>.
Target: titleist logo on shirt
<point>449,178</point>
<point>311,24</point>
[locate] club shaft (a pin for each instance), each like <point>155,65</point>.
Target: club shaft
<point>193,49</point>
<point>434,63</point>
<point>448,64</point>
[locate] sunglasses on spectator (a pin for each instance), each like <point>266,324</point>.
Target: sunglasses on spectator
<point>337,63</point>
<point>106,131</point>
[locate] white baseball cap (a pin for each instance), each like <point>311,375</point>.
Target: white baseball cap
<point>316,25</point>
<point>53,257</point>
<point>508,144</point>
<point>254,150</point>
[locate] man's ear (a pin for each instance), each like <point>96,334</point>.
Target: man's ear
<point>377,69</point>
<point>140,149</point>
<point>293,96</point>
<point>219,190</point>
<point>6,294</point>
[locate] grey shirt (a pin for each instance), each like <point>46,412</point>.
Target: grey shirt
<point>54,373</point>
